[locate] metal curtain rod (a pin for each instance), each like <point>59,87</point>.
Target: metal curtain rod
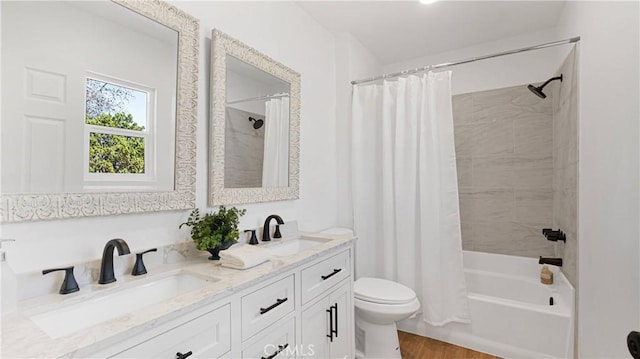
<point>259,98</point>
<point>473,59</point>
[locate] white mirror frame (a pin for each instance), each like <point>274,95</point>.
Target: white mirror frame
<point>221,46</point>
<point>34,207</point>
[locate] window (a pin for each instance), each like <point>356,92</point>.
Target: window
<point>118,131</point>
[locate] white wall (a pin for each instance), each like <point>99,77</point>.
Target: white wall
<point>608,207</point>
<point>505,71</point>
<point>284,32</point>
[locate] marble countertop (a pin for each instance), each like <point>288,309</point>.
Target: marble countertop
<point>22,338</point>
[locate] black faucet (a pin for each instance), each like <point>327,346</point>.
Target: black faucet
<point>106,268</point>
<point>265,229</point>
<point>552,261</point>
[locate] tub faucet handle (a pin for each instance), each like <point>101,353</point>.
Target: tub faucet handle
<point>554,236</point>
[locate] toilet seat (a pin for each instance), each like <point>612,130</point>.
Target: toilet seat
<point>381,291</point>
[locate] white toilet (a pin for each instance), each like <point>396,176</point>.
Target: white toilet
<point>379,304</point>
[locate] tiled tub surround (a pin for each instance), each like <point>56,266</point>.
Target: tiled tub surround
<point>565,164</point>
<point>504,145</point>
<point>21,338</point>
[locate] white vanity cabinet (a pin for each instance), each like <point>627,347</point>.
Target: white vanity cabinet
<point>303,312</point>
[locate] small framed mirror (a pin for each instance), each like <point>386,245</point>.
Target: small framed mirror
<point>255,125</point>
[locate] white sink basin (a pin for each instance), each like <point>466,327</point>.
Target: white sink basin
<point>100,307</point>
<point>293,246</point>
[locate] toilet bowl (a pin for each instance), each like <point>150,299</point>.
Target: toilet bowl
<point>379,304</point>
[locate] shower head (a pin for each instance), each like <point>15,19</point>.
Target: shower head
<point>256,123</point>
<point>537,90</point>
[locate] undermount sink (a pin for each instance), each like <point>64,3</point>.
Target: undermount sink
<point>101,307</point>
<point>293,246</point>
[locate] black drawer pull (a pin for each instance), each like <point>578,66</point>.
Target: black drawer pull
<point>183,356</point>
<point>277,303</point>
<point>335,271</point>
<point>275,354</point>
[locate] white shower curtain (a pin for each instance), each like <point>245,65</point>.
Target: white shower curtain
<point>405,191</point>
<point>275,164</point>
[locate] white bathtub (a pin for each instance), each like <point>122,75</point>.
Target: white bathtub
<point>510,312</point>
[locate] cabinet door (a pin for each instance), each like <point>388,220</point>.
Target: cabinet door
<point>340,300</point>
<point>208,336</point>
<point>315,328</point>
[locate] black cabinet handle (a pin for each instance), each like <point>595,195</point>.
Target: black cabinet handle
<point>183,356</point>
<point>280,349</point>
<point>335,321</point>
<point>335,271</point>
<point>330,335</point>
<point>277,303</point>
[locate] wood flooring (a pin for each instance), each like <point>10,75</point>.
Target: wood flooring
<point>417,347</point>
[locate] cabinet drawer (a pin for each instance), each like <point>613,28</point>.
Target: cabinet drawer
<point>208,336</point>
<point>319,277</point>
<point>280,340</point>
<point>266,305</point>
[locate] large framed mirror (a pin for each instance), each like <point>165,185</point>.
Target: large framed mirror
<point>255,125</point>
<point>98,108</point>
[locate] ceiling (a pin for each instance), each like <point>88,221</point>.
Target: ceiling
<point>395,31</point>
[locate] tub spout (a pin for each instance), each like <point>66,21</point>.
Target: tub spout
<point>552,261</point>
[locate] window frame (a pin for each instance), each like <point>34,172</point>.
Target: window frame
<point>122,181</point>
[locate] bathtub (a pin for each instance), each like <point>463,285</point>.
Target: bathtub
<point>511,315</point>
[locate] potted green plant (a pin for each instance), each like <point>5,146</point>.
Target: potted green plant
<point>215,231</point>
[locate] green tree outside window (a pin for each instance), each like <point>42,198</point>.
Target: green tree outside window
<point>110,153</point>
<point>115,153</point>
